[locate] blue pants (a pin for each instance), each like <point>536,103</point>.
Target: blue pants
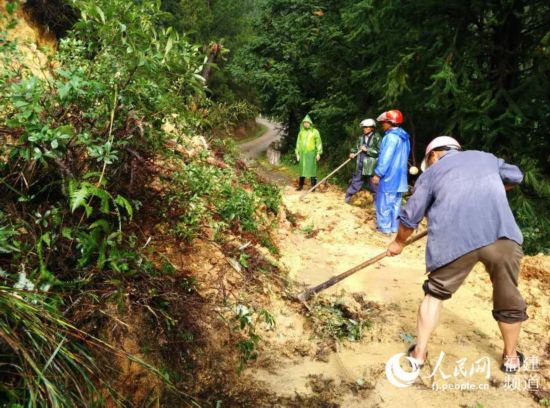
<point>388,206</point>
<point>357,182</point>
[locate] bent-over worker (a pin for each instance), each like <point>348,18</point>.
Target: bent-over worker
<point>463,195</point>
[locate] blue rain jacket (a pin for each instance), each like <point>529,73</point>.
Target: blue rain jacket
<point>393,161</point>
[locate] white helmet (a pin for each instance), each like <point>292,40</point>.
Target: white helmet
<point>440,141</point>
<point>367,123</point>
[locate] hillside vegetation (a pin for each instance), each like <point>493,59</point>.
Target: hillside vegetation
<point>108,158</point>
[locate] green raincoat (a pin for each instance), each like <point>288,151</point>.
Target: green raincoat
<point>370,158</point>
<point>308,146</point>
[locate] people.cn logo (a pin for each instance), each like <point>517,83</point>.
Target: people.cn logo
<point>399,377</point>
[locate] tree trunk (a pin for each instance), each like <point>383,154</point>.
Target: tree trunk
<point>215,50</point>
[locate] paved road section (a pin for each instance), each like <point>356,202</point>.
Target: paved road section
<point>256,147</point>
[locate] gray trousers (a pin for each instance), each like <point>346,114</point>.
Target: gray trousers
<point>502,262</point>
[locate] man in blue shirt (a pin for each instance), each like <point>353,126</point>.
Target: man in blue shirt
<point>391,171</point>
<point>463,195</point>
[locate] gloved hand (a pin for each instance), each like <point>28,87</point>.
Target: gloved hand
<point>298,157</point>
<point>364,148</point>
<point>318,157</point>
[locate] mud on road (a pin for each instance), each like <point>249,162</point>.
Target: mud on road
<point>298,368</point>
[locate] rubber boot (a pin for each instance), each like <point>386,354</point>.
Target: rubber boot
<point>301,184</point>
<point>314,182</point>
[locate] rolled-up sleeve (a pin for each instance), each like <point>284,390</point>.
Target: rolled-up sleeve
<point>418,203</point>
<point>509,173</point>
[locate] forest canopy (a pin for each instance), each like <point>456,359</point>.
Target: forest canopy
<point>479,71</point>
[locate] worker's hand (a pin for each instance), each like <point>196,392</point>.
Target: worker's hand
<point>375,179</point>
<point>395,248</point>
<point>318,157</point>
<point>297,157</point>
<point>364,148</point>
<point>352,155</point>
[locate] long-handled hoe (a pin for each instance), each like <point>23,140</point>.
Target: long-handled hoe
<point>305,295</point>
<point>327,177</point>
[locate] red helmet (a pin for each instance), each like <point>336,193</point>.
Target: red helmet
<point>394,116</point>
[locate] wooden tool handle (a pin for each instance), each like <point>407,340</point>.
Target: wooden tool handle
<point>323,180</point>
<point>335,279</point>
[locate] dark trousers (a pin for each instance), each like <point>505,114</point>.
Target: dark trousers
<point>303,180</point>
<point>357,182</point>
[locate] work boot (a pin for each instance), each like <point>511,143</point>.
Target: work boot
<point>301,184</point>
<point>313,182</point>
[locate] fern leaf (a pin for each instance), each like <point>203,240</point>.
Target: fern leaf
<point>105,198</point>
<point>124,203</point>
<point>78,196</point>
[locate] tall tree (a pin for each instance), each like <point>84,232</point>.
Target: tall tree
<point>478,70</point>
<point>220,26</point>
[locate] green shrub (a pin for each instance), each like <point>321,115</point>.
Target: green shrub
<point>81,133</point>
<point>76,129</point>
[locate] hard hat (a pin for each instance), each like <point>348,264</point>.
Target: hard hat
<point>367,123</point>
<point>394,116</point>
<point>440,141</point>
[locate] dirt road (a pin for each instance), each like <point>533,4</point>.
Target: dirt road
<point>331,237</point>
<point>256,147</point>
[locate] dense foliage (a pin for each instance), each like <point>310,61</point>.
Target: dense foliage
<point>84,135</point>
<point>476,70</point>
<point>216,22</point>
<point>119,129</point>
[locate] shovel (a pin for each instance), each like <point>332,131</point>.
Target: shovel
<point>326,178</point>
<point>305,295</point>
